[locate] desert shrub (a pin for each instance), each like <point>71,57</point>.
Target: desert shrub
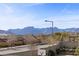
<point>3,44</point>
<point>18,43</point>
<point>76,51</point>
<point>57,33</point>
<point>20,38</point>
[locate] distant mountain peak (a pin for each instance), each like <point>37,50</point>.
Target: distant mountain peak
<point>33,30</point>
<point>31,27</point>
<point>5,32</point>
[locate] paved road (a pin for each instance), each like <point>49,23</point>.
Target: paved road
<point>9,50</point>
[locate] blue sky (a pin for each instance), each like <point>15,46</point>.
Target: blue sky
<point>21,15</point>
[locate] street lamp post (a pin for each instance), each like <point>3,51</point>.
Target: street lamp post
<point>52,24</point>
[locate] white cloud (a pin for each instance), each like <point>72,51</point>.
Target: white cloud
<point>68,9</point>
<point>6,9</point>
<point>65,21</point>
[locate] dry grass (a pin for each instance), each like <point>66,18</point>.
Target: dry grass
<point>31,39</point>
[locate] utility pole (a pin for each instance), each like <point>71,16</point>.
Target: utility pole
<point>52,24</point>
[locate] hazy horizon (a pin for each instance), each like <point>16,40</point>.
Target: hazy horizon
<point>20,15</point>
<point>39,27</point>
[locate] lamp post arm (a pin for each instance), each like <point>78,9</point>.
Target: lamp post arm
<point>52,24</point>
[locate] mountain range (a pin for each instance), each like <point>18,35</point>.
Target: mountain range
<point>33,30</point>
